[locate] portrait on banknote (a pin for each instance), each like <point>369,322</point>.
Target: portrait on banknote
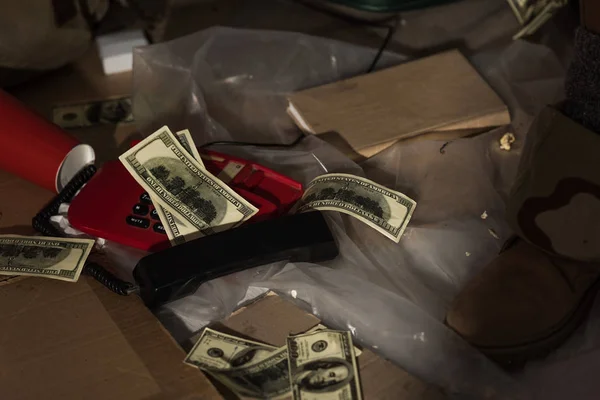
<point>324,375</point>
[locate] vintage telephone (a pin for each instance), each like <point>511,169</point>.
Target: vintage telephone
<point>113,206</point>
<point>110,204</point>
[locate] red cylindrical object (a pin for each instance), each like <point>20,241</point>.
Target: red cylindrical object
<point>32,147</point>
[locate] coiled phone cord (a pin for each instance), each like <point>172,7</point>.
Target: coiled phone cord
<point>41,223</point>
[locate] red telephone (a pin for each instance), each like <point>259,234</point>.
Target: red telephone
<point>113,206</point>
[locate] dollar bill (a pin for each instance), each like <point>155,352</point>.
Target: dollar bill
<point>177,231</point>
<point>263,379</point>
<point>249,369</point>
<point>111,111</point>
<point>181,186</point>
<point>55,258</point>
<point>383,209</point>
<point>217,351</point>
<point>322,366</point>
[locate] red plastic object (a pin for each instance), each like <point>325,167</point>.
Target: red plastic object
<point>102,207</point>
<point>30,146</point>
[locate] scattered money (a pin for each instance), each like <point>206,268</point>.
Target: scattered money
<point>322,365</point>
<point>255,370</point>
<point>180,185</point>
<point>177,231</point>
<point>111,112</point>
<point>55,258</point>
<point>383,209</point>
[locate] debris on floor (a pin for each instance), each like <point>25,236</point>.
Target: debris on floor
<point>506,141</point>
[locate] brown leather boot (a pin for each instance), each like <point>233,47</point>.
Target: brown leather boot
<point>524,304</point>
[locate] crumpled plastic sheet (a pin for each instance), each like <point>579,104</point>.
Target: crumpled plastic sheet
<point>228,84</point>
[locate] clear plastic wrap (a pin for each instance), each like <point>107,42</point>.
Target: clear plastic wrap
<point>227,84</point>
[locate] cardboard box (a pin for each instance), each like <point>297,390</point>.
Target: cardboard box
<point>271,319</point>
<point>441,97</point>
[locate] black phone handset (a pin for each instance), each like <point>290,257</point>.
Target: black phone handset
<point>177,272</point>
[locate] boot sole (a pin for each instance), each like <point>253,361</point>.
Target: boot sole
<point>514,357</point>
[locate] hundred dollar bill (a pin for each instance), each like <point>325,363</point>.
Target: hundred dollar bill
<point>263,379</point>
<point>322,366</point>
<point>249,369</point>
<point>383,209</point>
<point>181,186</point>
<point>218,351</point>
<point>177,231</point>
<point>112,112</point>
<point>47,257</point>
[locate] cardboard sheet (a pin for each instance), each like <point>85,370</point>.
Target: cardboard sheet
<point>64,340</point>
<point>441,94</point>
